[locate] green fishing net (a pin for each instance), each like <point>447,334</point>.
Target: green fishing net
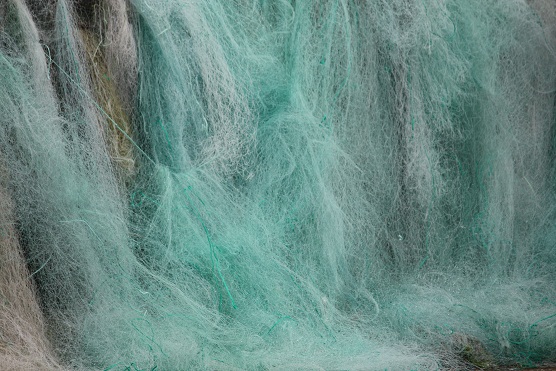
<point>283,184</point>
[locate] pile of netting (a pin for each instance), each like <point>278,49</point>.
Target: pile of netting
<point>291,184</point>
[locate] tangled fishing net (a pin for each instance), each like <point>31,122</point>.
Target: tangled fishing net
<point>277,184</point>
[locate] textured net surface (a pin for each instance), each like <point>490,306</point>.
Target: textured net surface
<point>332,184</point>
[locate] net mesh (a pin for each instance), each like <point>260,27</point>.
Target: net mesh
<point>278,184</point>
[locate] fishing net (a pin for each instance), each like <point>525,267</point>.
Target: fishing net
<point>257,184</point>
